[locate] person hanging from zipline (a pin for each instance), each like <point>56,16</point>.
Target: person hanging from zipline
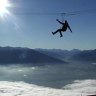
<point>63,29</point>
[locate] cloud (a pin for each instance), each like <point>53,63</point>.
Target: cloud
<point>83,87</point>
<point>55,76</point>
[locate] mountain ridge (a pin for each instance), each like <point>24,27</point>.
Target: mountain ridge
<point>24,55</point>
<point>72,55</point>
<point>27,55</point>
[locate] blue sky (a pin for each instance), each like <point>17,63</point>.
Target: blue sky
<point>34,31</point>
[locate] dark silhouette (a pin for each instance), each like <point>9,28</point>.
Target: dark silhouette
<point>63,29</point>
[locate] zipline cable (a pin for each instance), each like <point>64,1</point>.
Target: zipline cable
<point>63,13</point>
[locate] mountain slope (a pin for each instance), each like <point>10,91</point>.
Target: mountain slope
<point>58,53</point>
<point>24,55</point>
<point>73,55</point>
<point>86,55</point>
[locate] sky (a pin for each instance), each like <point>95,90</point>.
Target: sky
<point>19,28</point>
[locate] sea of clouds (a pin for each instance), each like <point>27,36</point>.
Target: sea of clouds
<point>57,80</point>
<point>77,88</point>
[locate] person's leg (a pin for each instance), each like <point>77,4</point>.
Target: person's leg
<point>60,34</point>
<point>56,31</point>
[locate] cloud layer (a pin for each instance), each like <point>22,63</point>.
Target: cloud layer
<point>78,88</point>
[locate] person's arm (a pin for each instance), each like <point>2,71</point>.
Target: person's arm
<point>69,28</point>
<point>60,22</point>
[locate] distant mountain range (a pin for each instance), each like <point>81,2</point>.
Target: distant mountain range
<point>72,55</point>
<point>58,53</point>
<point>17,55</point>
<point>86,55</point>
